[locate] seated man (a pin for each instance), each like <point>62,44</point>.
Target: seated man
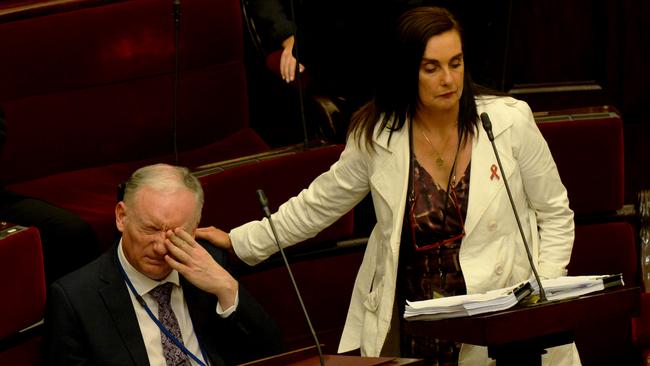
<point>116,310</point>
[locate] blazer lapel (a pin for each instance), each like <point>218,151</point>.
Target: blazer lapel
<point>486,178</point>
<point>390,176</point>
<point>118,302</point>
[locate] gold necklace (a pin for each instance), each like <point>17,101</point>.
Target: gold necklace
<point>440,161</point>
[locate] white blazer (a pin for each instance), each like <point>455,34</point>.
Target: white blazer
<point>491,254</point>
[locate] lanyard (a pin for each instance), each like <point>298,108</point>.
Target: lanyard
<point>163,329</point>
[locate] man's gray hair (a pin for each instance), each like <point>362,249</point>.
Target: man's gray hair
<point>164,177</point>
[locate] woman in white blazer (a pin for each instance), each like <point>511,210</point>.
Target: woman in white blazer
<point>428,106</point>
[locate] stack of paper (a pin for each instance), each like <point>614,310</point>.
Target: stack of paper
<point>466,305</point>
<point>573,286</point>
<point>505,298</point>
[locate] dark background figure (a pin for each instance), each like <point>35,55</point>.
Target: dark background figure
<point>68,242</point>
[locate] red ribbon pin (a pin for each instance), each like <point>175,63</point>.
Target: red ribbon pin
<point>493,169</point>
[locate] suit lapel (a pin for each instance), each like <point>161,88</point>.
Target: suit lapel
<point>202,309</point>
<point>118,303</point>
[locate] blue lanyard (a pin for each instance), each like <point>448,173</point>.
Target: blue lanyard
<point>163,329</point>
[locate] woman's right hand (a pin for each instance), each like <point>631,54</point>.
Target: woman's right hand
<point>216,237</point>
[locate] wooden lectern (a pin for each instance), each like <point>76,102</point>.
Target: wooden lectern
<point>518,336</point>
<point>309,357</point>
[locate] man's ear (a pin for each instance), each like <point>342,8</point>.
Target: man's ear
<point>120,216</point>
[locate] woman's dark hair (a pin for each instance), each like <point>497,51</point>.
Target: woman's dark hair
<point>396,98</point>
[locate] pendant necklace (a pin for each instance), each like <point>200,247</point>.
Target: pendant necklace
<point>440,161</point>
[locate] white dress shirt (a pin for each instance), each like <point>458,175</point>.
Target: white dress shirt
<point>148,328</point>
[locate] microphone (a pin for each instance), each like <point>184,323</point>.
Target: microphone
<point>267,213</point>
<point>487,126</point>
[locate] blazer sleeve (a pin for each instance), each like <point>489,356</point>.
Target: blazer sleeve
<point>546,194</point>
<point>328,197</point>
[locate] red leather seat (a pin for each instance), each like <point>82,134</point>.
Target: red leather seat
<point>588,149</point>
<point>23,298</point>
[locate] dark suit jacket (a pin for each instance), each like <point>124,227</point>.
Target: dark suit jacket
<point>90,320</point>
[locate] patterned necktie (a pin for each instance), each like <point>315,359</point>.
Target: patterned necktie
<point>173,355</point>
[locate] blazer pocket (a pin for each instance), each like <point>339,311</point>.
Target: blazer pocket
<point>374,297</point>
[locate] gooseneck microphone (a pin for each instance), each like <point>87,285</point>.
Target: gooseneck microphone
<point>487,126</point>
<point>267,213</point>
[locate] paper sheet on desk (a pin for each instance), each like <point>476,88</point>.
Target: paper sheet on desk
<point>573,286</point>
<point>467,305</point>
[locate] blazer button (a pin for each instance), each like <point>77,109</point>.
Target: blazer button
<point>498,270</point>
<point>492,225</point>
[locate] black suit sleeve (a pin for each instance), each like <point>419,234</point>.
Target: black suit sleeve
<point>247,334</point>
<point>271,21</point>
<point>253,333</point>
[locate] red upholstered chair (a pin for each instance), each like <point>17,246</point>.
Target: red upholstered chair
<point>588,149</point>
<point>587,146</point>
<point>606,248</point>
<point>87,94</point>
<point>23,298</point>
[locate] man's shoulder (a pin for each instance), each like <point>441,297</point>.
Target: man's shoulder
<point>219,255</point>
<point>87,276</point>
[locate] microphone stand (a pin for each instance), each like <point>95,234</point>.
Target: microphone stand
<point>267,213</point>
<point>176,13</point>
<point>487,126</point>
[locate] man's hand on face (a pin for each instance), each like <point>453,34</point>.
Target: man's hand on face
<point>191,260</point>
